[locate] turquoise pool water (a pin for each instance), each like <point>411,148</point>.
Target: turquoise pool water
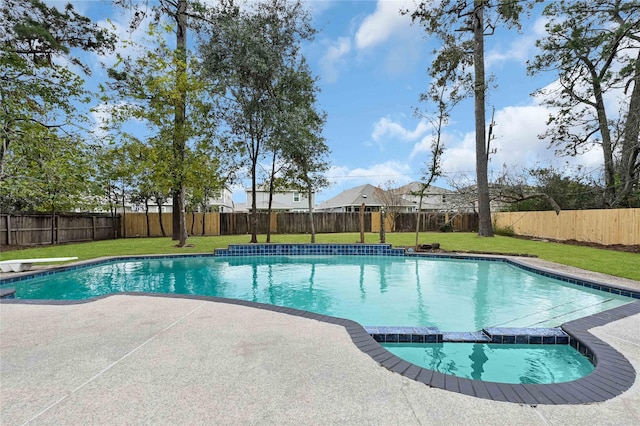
<point>453,295</point>
<point>539,364</point>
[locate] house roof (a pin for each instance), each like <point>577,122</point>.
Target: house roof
<point>265,188</point>
<point>355,197</point>
<point>415,187</point>
<point>264,205</point>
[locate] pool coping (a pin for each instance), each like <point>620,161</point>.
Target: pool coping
<point>613,373</point>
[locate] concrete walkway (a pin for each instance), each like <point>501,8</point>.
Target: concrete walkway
<point>159,360</point>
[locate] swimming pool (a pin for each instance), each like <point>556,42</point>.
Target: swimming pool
<point>450,294</point>
<point>283,274</point>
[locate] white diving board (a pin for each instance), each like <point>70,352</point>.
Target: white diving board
<point>20,265</point>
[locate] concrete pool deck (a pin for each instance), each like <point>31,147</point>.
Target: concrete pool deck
<point>161,360</point>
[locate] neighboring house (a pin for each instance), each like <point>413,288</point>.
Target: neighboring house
<point>434,198</point>
<point>221,202</point>
<point>286,200</point>
<point>352,199</point>
<point>466,199</point>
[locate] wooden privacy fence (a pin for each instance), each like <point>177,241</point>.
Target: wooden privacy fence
<point>434,221</point>
<point>615,226</point>
<point>152,225</point>
<point>36,229</point>
<point>141,225</point>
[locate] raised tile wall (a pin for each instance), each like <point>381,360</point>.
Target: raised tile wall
<point>501,335</point>
<point>309,249</point>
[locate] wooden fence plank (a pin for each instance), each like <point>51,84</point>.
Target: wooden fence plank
<point>36,229</point>
<point>607,227</point>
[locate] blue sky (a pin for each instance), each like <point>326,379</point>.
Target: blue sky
<point>371,63</point>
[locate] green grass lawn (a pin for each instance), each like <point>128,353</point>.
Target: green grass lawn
<point>620,264</point>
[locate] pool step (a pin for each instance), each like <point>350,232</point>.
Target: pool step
<point>530,336</point>
<point>385,334</point>
<point>502,335</point>
<point>465,337</point>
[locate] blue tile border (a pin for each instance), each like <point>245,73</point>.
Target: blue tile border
<point>497,335</point>
<point>613,374</point>
<point>309,249</point>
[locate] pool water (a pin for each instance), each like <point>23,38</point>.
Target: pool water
<point>539,364</point>
<point>453,295</point>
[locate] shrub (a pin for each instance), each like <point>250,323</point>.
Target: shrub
<point>506,231</point>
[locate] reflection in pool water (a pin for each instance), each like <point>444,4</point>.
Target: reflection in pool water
<point>453,295</point>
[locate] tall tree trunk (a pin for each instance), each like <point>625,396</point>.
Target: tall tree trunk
<point>204,219</point>
<point>254,208</point>
<point>179,141</point>
<point>418,215</point>
<point>311,224</point>
<point>159,203</point>
<point>271,188</point>
<point>53,224</point>
<point>124,214</point>
<point>607,148</point>
<point>629,167</point>
<point>146,215</point>
<point>175,217</point>
<point>485,228</point>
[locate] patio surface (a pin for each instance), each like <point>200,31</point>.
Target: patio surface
<point>161,360</point>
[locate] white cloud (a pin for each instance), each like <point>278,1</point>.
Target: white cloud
<point>386,20</point>
<point>318,7</point>
<point>101,116</point>
<point>521,48</point>
<point>386,129</point>
<point>516,143</point>
<point>424,146</point>
<point>460,156</point>
<point>334,58</point>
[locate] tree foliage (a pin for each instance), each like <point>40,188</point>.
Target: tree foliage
<point>251,51</point>
<point>41,85</point>
<point>545,188</point>
<point>594,47</point>
<point>460,26</point>
<point>155,84</point>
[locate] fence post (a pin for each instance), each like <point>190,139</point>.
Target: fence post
<point>362,223</point>
<point>9,230</point>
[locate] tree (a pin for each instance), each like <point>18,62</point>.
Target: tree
<point>544,188</point>
<point>179,12</point>
<point>445,97</point>
<point>204,177</point>
<point>392,201</point>
<point>297,138</point>
<point>461,27</point>
<point>250,50</point>
<point>39,94</point>
<point>303,148</point>
<point>161,86</point>
<point>52,175</point>
<point>515,189</point>
<point>594,46</point>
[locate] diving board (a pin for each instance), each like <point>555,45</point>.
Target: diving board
<point>20,265</point>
